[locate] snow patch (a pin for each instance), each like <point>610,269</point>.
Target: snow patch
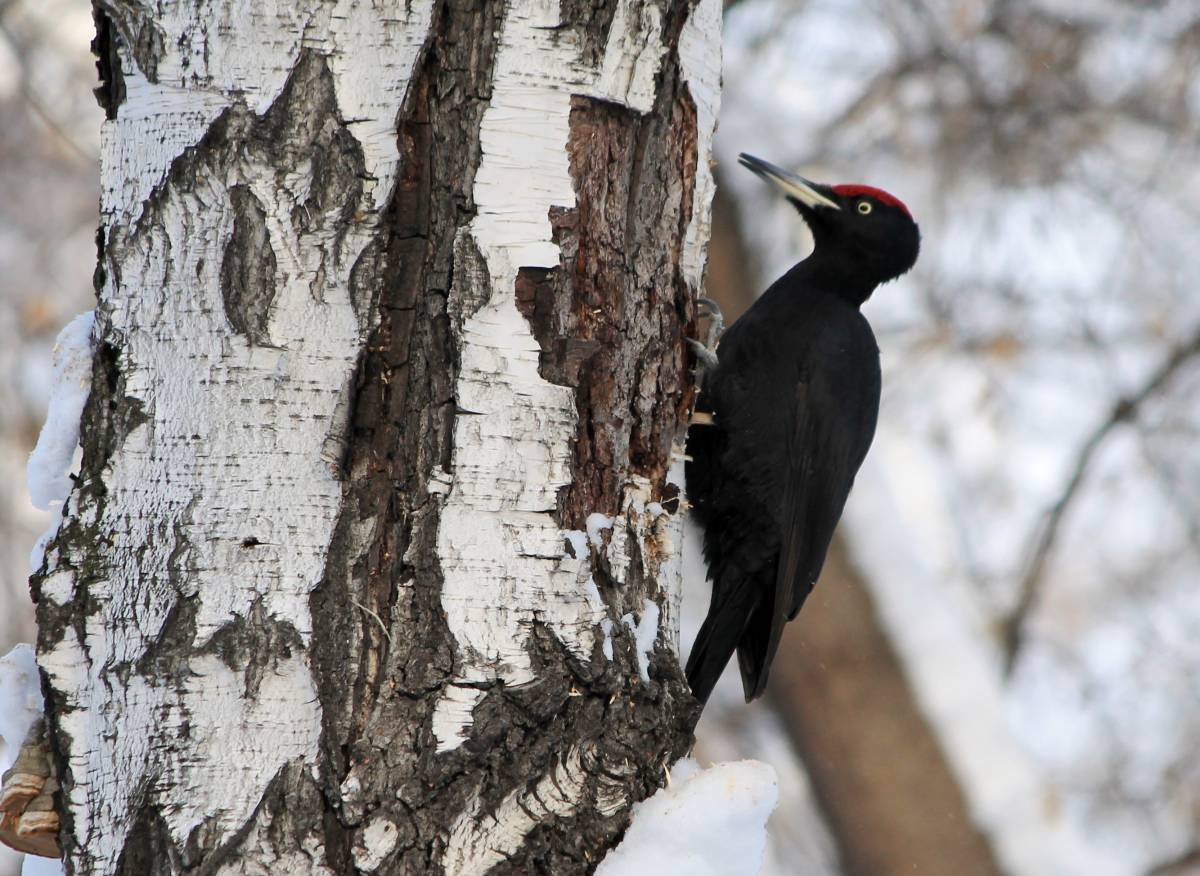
<point>706,822</point>
<point>606,626</point>
<point>597,523</point>
<point>47,472</point>
<point>20,700</point>
<point>645,634</point>
<point>50,462</point>
<point>592,592</point>
<point>578,541</point>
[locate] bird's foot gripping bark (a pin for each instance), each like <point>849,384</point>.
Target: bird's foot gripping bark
<point>28,821</point>
<point>706,357</point>
<point>706,350</point>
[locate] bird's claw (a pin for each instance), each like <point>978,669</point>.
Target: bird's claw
<point>706,350</point>
<point>706,357</point>
<point>717,324</point>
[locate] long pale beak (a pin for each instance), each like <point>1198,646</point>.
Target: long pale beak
<point>789,183</point>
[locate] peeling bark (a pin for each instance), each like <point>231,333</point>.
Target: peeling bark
<point>390,302</point>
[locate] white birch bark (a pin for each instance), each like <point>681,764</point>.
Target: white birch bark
<point>229,449</point>
<point>511,461</point>
<point>248,165</point>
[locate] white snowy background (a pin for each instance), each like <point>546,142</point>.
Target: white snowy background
<point>1049,151</point>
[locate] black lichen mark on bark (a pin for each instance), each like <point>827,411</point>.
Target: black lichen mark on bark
<point>255,644</point>
<point>248,268</point>
<point>110,93</point>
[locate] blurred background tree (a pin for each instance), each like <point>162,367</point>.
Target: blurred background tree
<point>1019,562</point>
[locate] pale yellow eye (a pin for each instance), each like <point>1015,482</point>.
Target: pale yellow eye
<point>865,207</point>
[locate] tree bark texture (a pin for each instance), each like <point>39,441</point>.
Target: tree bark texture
<point>371,564</point>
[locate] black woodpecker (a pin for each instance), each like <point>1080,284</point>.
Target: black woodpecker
<point>786,413</point>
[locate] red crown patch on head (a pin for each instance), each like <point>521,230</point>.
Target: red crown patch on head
<point>852,190</point>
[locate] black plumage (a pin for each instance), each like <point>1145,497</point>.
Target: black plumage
<point>793,397</point>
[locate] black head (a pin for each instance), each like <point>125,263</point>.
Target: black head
<point>863,235</point>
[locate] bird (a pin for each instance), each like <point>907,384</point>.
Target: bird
<point>786,413</point>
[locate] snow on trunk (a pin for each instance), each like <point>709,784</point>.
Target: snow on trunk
<point>706,822</point>
<point>48,472</point>
<point>20,701</point>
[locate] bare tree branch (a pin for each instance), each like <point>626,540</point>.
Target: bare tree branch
<point>1125,410</point>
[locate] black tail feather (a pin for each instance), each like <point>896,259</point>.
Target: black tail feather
<point>755,652</point>
<point>717,640</point>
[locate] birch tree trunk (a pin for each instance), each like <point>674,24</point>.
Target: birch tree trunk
<point>391,307</point>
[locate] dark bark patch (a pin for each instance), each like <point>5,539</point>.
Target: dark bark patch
<point>304,126</point>
<point>135,23</point>
<point>148,848</point>
<point>380,666</point>
<point>254,644</point>
<point>611,317</point>
<point>248,268</point>
<point>169,652</point>
<point>471,286</point>
<point>110,93</point>
<point>366,281</point>
<point>591,21</point>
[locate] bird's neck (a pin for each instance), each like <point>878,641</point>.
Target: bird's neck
<point>837,275</point>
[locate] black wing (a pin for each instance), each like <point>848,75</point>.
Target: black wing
<point>832,417</point>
